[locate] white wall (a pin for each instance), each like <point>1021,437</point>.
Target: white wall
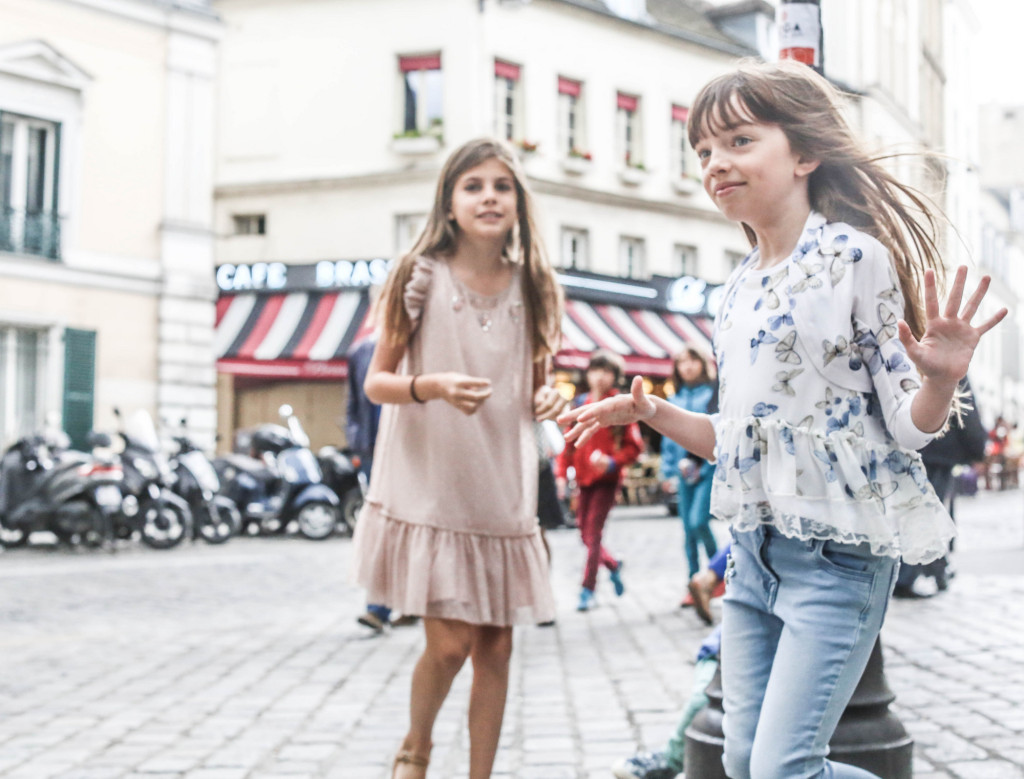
<point>311,99</point>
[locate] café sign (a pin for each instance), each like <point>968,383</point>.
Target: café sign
<point>277,276</point>
<point>693,296</point>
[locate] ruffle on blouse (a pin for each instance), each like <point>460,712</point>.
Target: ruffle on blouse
<point>432,572</point>
<point>415,294</point>
<point>837,487</point>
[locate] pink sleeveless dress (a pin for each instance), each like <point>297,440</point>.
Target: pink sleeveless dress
<point>449,528</point>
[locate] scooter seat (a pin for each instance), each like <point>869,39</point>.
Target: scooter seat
<point>250,465</point>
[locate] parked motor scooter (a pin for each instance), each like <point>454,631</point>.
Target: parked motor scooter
<point>215,517</point>
<point>162,518</point>
<point>341,472</point>
<point>46,486</point>
<point>280,482</point>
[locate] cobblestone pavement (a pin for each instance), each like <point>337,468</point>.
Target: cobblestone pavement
<point>245,661</point>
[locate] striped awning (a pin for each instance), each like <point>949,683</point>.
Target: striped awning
<point>293,335</point>
<point>308,334</point>
<point>646,339</point>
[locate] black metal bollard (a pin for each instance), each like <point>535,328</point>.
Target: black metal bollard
<point>868,736</point>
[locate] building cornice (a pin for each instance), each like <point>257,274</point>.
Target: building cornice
<point>175,16</point>
<point>18,266</point>
<point>605,198</point>
<point>537,184</point>
<point>291,186</point>
<point>735,50</point>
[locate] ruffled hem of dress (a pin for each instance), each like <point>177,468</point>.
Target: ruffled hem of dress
<point>428,571</point>
<point>837,486</point>
<point>414,296</point>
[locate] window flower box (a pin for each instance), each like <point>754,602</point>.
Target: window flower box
<point>415,145</point>
<point>632,175</point>
<point>578,162</point>
<point>685,185</point>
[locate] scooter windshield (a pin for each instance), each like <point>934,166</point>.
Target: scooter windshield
<point>140,428</point>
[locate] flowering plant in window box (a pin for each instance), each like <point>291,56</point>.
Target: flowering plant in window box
<point>580,154</point>
<point>527,146</point>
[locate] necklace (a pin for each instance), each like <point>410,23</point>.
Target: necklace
<point>485,307</point>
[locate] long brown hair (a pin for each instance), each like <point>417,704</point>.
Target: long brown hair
<point>707,367</point>
<point>849,185</point>
<point>543,295</point>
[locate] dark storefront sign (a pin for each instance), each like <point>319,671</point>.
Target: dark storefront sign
<point>299,321</point>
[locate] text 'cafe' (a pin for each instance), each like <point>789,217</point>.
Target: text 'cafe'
<point>284,330</point>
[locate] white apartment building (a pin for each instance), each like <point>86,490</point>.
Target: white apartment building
<point>337,116</point>
<point>106,246</point>
<point>912,65</point>
<point>1002,255</point>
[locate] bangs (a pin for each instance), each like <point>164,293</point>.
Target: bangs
<point>726,103</point>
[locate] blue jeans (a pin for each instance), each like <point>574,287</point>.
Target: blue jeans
<point>799,620</point>
<point>695,512</point>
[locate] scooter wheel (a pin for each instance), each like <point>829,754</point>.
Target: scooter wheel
<point>351,505</point>
<point>317,520</point>
<point>164,524</point>
<point>12,537</point>
<point>218,520</point>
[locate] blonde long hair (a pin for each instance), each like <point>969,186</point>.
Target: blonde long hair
<point>440,236</point>
<point>849,185</point>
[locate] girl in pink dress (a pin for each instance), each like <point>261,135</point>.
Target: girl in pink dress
<point>449,532</point>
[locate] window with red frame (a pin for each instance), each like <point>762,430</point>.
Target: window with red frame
<point>628,114</point>
<point>422,109</point>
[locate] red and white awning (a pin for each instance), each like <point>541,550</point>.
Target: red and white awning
<point>308,334</point>
<point>294,335</point>
<point>646,339</point>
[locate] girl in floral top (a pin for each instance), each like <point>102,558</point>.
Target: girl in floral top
<point>836,363</point>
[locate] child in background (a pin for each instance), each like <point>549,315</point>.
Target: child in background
<point>692,376</point>
<point>599,468</point>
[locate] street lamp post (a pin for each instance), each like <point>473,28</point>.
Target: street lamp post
<point>868,735</point>
<point>800,33</point>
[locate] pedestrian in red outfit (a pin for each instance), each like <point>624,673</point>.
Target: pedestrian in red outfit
<point>599,465</point>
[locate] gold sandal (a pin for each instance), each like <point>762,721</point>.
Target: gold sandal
<point>405,757</point>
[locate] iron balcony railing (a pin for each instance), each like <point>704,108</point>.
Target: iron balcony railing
<point>30,232</point>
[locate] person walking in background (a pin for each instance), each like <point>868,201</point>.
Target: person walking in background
<point>599,468</point>
<point>448,532</point>
<point>835,366</point>
<point>362,417</point>
<point>963,444</point>
<point>690,475</point>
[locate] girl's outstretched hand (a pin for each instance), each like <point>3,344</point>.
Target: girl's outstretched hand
<point>617,410</point>
<point>945,350</point>
<point>548,403</point>
<point>466,393</point>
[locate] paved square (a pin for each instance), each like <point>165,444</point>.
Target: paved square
<point>246,661</point>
